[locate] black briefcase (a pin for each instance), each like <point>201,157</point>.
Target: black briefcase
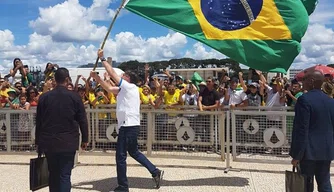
<point>295,181</point>
<point>39,173</point>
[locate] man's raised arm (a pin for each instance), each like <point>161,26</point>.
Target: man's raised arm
<point>110,70</point>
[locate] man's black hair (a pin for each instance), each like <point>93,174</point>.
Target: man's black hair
<point>133,77</point>
<point>61,75</point>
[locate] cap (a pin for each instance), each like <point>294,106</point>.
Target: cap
<point>202,83</point>
<point>180,77</point>
<point>254,84</point>
<point>11,91</point>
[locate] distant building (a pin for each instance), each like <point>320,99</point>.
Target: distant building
<point>203,72</point>
<point>293,73</point>
<point>99,64</point>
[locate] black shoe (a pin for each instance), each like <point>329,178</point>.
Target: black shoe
<point>158,178</point>
<point>120,189</point>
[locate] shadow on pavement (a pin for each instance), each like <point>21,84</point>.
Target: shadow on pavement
<point>147,183</point>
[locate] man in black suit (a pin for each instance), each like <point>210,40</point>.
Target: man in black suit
<point>312,144</point>
<point>60,113</point>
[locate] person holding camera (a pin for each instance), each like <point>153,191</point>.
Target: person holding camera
<point>293,92</point>
<point>50,70</point>
<point>17,66</point>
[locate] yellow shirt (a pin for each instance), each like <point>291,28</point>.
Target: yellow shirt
<point>91,98</point>
<point>146,98</point>
<point>112,98</point>
<point>155,96</point>
<point>171,99</point>
<point>140,90</point>
<point>4,92</point>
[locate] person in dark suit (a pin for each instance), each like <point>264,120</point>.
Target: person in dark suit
<point>312,144</point>
<point>60,113</point>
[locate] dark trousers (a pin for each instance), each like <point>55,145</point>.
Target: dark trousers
<point>127,142</point>
<point>321,171</point>
<point>60,167</point>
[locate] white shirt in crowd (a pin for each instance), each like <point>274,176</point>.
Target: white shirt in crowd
<point>236,97</point>
<point>221,101</point>
<point>273,100</point>
<point>128,105</point>
<point>190,99</point>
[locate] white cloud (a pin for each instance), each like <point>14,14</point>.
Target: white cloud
<point>198,51</point>
<point>125,46</point>
<point>6,39</point>
<point>131,47</point>
<point>70,21</point>
<point>317,47</point>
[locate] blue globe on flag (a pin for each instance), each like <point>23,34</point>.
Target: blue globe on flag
<point>230,15</point>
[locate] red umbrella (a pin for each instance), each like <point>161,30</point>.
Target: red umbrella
<point>322,68</point>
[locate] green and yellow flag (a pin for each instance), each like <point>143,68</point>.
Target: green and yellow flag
<point>262,34</point>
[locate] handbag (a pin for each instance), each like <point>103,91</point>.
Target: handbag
<point>295,181</point>
<point>39,173</point>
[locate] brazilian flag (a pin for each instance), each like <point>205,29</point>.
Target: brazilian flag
<point>262,34</point>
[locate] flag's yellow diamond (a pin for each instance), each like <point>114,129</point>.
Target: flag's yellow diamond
<point>266,24</point>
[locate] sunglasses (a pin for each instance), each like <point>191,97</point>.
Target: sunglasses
<point>208,81</point>
<point>32,92</point>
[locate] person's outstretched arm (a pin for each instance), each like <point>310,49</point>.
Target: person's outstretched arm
<point>110,70</point>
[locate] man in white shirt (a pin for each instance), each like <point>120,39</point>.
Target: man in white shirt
<point>275,98</point>
<point>128,117</point>
<point>236,98</point>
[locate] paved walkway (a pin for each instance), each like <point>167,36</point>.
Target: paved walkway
<point>97,173</point>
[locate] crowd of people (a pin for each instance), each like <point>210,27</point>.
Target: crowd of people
<point>210,94</point>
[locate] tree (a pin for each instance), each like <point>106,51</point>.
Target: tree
<point>183,63</point>
<point>330,65</point>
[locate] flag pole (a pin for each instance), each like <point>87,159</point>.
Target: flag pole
<point>110,27</point>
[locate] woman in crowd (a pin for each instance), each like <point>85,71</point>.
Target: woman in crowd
<point>32,96</point>
<point>50,70</point>
<point>17,66</point>
<point>145,96</point>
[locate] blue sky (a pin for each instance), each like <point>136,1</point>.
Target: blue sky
<point>40,31</point>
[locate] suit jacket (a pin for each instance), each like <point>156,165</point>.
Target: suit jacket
<point>313,127</point>
<point>60,113</point>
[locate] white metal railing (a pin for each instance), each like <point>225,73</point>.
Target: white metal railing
<point>181,132</point>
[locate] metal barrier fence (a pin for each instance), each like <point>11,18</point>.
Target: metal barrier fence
<point>252,134</point>
<point>261,135</point>
<point>178,132</point>
<point>172,132</point>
